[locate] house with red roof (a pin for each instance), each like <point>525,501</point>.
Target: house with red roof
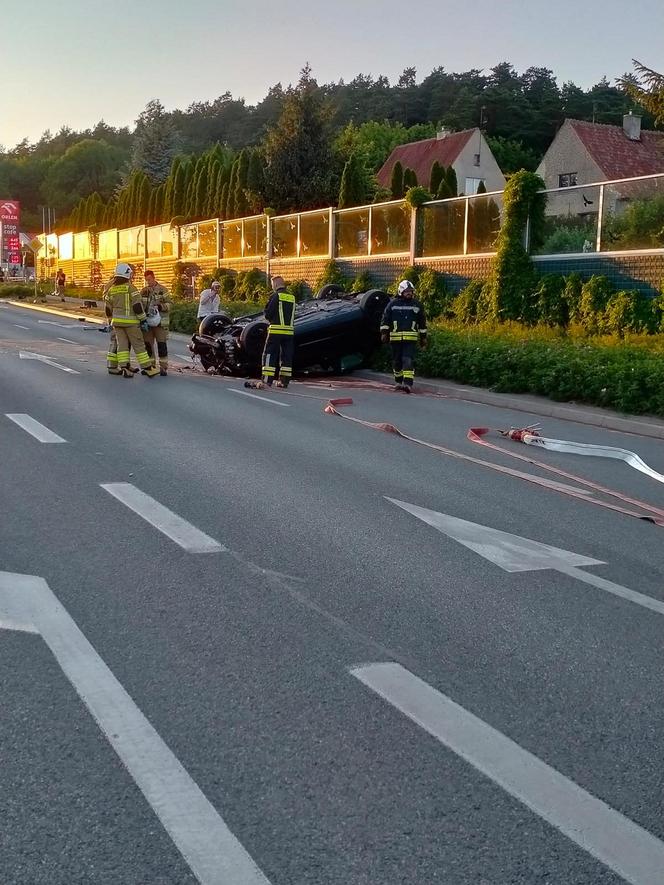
<point>583,153</point>
<point>467,152</point>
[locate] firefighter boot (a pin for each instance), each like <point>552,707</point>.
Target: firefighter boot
<point>115,371</point>
<point>151,372</point>
<point>126,372</point>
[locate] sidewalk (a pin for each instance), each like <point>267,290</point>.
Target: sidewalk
<point>537,405</point>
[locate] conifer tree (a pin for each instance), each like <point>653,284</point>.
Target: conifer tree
<point>437,174</point>
<point>397,182</point>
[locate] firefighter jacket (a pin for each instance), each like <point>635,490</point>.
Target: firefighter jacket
<point>124,305</point>
<point>280,311</point>
<point>159,297</point>
<point>404,319</point>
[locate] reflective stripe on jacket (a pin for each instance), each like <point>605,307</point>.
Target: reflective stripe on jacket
<point>280,311</point>
<point>122,299</point>
<point>404,319</point>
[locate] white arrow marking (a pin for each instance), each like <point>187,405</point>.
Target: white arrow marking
<point>617,842</point>
<point>210,849</point>
<point>34,428</point>
<point>515,554</point>
<point>26,355</point>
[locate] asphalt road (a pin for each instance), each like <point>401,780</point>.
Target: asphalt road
<point>247,660</point>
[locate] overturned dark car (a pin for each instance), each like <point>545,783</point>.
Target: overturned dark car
<point>334,330</point>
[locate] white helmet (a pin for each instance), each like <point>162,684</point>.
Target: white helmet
<point>124,270</point>
<point>404,286</point>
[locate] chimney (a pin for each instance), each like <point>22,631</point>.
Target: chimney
<point>632,126</point>
<point>443,132</point>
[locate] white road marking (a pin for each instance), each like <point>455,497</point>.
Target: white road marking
<point>515,554</point>
<point>27,355</point>
<point>68,340</point>
<point>617,842</point>
<point>62,325</point>
<point>27,328</point>
<point>173,526</point>
<point>213,853</point>
<point>34,428</point>
<point>261,399</point>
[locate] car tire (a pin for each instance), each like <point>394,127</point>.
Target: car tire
<point>252,339</point>
<point>374,301</point>
<point>331,290</point>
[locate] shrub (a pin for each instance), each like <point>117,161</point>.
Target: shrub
<point>416,195</point>
<point>332,274</point>
<point>464,306</point>
<point>513,278</point>
<point>432,291</point>
<point>629,311</point>
<point>300,289</point>
<point>621,376</point>
<point>595,294</point>
<point>20,291</point>
<point>362,282</point>
<point>251,285</point>
<point>548,304</point>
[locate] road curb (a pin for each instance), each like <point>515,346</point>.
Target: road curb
<point>58,313</point>
<point>596,418</point>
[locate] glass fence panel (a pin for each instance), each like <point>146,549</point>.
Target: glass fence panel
<point>82,246</point>
<point>255,237</point>
<point>284,237</point>
<point>352,232</point>
<point>131,242</point>
<point>314,234</point>
<point>189,242</point>
<point>633,215</point>
<point>390,228</point>
<point>207,239</point>
<point>108,245</point>
<point>232,239</point>
<point>570,221</point>
<point>484,218</point>
<point>442,228</point>
<point>66,247</point>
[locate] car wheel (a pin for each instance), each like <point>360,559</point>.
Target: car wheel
<point>331,290</point>
<point>374,301</point>
<point>252,339</point>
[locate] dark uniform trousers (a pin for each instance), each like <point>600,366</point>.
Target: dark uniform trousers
<point>278,358</point>
<point>403,356</point>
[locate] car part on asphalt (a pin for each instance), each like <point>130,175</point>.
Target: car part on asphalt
<point>330,330</point>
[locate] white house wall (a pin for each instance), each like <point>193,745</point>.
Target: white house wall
<point>489,170</point>
<point>567,153</point>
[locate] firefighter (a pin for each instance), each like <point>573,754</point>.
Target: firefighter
<point>280,342</point>
<point>404,323</point>
<point>156,304</point>
<point>125,310</point>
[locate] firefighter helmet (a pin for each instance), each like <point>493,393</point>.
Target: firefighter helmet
<point>124,270</point>
<point>405,286</point>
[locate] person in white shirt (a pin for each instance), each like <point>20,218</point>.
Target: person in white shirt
<point>209,301</point>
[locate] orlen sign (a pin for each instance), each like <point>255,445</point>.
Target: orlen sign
<point>10,217</point>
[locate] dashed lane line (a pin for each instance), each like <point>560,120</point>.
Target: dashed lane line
<point>184,534</point>
<point>606,834</point>
<point>34,428</point>
<point>261,399</point>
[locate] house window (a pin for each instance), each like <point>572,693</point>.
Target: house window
<point>472,185</point>
<point>567,179</point>
<point>476,159</point>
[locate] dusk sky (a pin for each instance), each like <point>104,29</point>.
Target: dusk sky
<point>83,60</point>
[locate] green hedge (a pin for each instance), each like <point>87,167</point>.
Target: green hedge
<point>183,313</point>
<point>628,377</point>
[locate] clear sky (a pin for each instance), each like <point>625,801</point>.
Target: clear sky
<point>75,62</point>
